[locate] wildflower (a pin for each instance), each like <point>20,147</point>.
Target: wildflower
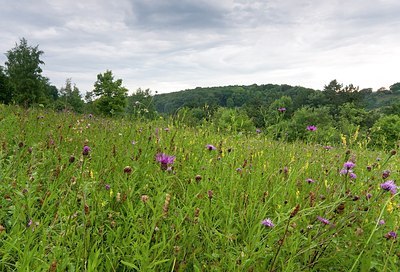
<point>71,159</point>
<point>282,109</point>
<point>323,220</point>
<point>369,168</point>
<point>385,174</point>
<point>133,142</point>
<point>389,186</point>
<point>165,160</point>
<point>311,128</point>
<point>328,147</point>
<point>381,222</point>
<point>268,223</point>
<point>210,147</point>
<point>198,178</point>
<point>391,234</point>
<point>210,194</point>
<point>352,176</point>
<point>166,129</point>
<point>107,186</point>
<point>348,165</point>
<point>86,150</point>
<point>258,131</point>
<point>128,170</point>
<point>368,196</point>
<point>310,180</point>
<point>144,198</point>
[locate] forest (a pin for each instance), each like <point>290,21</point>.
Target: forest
<point>340,112</point>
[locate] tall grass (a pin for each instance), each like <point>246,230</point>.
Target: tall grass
<point>117,209</point>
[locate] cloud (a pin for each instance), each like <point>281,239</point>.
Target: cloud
<point>179,44</point>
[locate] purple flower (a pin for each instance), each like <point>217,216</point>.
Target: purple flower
<point>385,174</point>
<point>323,220</point>
<point>368,196</point>
<point>344,171</point>
<point>391,234</point>
<point>381,222</point>
<point>310,180</point>
<point>108,186</point>
<point>165,159</point>
<point>328,147</point>
<point>210,147</point>
<point>86,150</point>
<point>389,186</point>
<point>258,131</point>
<point>282,109</point>
<point>311,128</point>
<point>348,165</point>
<point>352,175</point>
<point>268,223</point>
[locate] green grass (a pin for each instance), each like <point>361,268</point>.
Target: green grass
<point>58,215</point>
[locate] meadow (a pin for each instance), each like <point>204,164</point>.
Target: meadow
<point>85,193</point>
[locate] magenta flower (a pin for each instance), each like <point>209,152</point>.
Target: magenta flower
<point>391,235</point>
<point>165,159</point>
<point>86,150</point>
<point>381,222</point>
<point>258,131</point>
<point>323,220</point>
<point>311,128</point>
<point>268,223</point>
<point>352,175</point>
<point>349,165</point>
<point>328,147</point>
<point>210,147</point>
<point>310,180</point>
<point>282,109</point>
<point>389,186</point>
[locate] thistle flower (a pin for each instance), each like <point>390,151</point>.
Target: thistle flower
<point>385,174</point>
<point>268,223</point>
<point>389,186</point>
<point>310,180</point>
<point>311,128</point>
<point>210,147</point>
<point>348,165</point>
<point>165,160</point>
<point>86,150</point>
<point>323,220</point>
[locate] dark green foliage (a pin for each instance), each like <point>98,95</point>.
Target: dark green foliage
<point>5,91</point>
<point>141,104</point>
<point>110,94</point>
<point>25,75</point>
<point>386,132</point>
<point>70,98</point>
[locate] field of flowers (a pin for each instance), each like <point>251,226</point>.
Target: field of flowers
<point>83,193</point>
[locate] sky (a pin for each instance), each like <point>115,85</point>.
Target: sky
<point>172,45</point>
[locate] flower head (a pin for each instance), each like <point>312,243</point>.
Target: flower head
<point>268,223</point>
<point>311,128</point>
<point>210,147</point>
<point>381,222</point>
<point>309,180</point>
<point>349,165</point>
<point>86,150</point>
<point>391,234</point>
<point>389,186</point>
<point>283,109</point>
<point>323,220</point>
<point>258,131</point>
<point>385,174</point>
<point>352,175</point>
<point>165,159</point>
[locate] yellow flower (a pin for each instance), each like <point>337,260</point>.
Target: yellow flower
<point>389,207</point>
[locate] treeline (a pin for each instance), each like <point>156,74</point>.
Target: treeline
<point>341,114</point>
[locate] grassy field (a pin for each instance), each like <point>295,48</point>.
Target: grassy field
<point>82,193</point>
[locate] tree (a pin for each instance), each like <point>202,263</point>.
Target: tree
<point>111,96</point>
<point>70,98</point>
<point>141,104</point>
<point>395,87</point>
<point>24,73</point>
<point>5,92</point>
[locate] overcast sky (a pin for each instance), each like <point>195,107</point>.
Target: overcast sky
<point>171,45</point>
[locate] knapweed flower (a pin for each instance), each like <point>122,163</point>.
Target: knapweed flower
<point>210,147</point>
<point>381,222</point>
<point>391,235</point>
<point>107,186</point>
<point>352,175</point>
<point>210,194</point>
<point>323,220</point>
<point>389,186</point>
<point>311,128</point>
<point>165,160</point>
<point>349,165</point>
<point>368,196</point>
<point>309,180</point>
<point>128,170</point>
<point>86,150</point>
<point>385,174</point>
<point>258,131</point>
<point>282,109</point>
<point>268,223</point>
